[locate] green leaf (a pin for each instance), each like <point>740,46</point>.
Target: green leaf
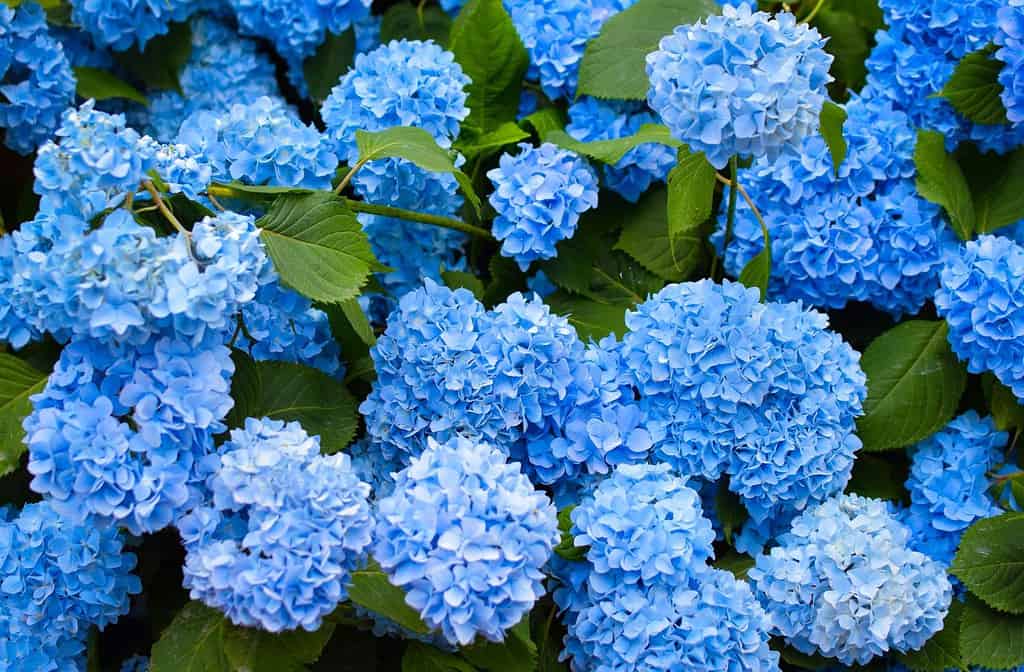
<point>417,146</point>
<point>567,548</point>
<point>332,59</point>
<point>990,561</point>
<point>644,237</point>
<point>758,270</point>
<point>974,89</point>
<point>318,246</point>
<point>292,392</point>
<point>942,652</point>
<point>488,48</point>
<point>999,195</point>
<point>914,385</point>
<point>734,561</point>
<point>18,381</point>
<point>989,638</point>
<point>941,181</point>
<point>849,42</point>
<point>419,657</point>
<point>415,22</point>
<point>370,588</point>
<point>831,126</point>
<point>614,64</point>
<point>876,477</point>
<point>471,145</point>
<point>544,121</point>
<point>461,279</point>
<point>691,190</point>
<point>612,151</point>
<point>262,194</point>
<point>101,85</point>
<point>253,650</point>
<point>506,278</point>
<point>1006,410</point>
<point>592,320</point>
<point>517,653</point>
<point>160,63</point>
<point>731,512</point>
<point>193,642</point>
<point>358,321</point>
<point>806,661</point>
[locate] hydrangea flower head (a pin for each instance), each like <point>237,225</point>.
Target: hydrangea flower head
<point>297,27</point>
<point>843,583</point>
<point>122,24</point>
<point>982,299</point>
<point>539,195</point>
<point>960,27</point>
<point>740,84</point>
<point>36,81</point>
<point>466,536</point>
<point>949,483</point>
<point>284,527</point>
<point>1010,38</point>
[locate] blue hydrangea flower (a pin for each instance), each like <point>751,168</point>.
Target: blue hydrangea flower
<point>122,24</point>
<point>593,119</point>
<point>1010,38</point>
<point>949,483</point>
<point>297,28</point>
<point>120,431</point>
<point>284,526</point>
<point>81,50</point>
<point>982,299</point>
<point>763,392</point>
<point>466,536</point>
<point>372,466</point>
<point>182,170</point>
<point>960,27</point>
<point>263,142</point>
<point>36,81</point>
<point>58,578</point>
<point>740,84</point>
<point>843,583</point>
<point>539,195</point>
<point>555,34</point>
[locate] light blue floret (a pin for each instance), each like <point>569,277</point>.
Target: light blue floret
<point>122,24</point>
<point>297,27</point>
<point>1010,38</point>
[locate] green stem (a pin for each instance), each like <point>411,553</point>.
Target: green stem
<point>731,217</point>
<point>814,12</point>
<point>410,215</point>
<point>349,175</point>
<point>164,210</point>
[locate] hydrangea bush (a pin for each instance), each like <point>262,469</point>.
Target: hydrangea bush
<point>511,335</point>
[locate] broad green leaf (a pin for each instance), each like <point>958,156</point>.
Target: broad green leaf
<point>914,385</point>
<point>362,368</point>
<point>159,64</point>
<point>462,279</point>
<point>758,270</point>
<point>644,237</point>
<point>471,145</point>
<point>876,477</point>
<point>417,146</point>
<point>974,89</point>
<point>691,190</point>
<point>544,121</point>
<point>193,642</point>
<point>989,638</point>
<point>612,151</point>
<point>1006,410</point>
<point>261,194</point>
<point>941,181</point>
<point>18,381</point>
<point>942,652</point>
<point>990,561</point>
<point>371,589</point>
<point>331,60</point>
<point>614,64</point>
<point>517,653</point>
<point>101,85</point>
<point>254,650</point>
<point>488,48</point>
<point>591,319</point>
<point>506,279</point>
<point>420,657</point>
<point>831,126</point>
<point>318,246</point>
<point>415,22</point>
<point>849,42</point>
<point>358,321</point>
<point>733,561</point>
<point>292,392</point>
<point>730,510</point>
<point>999,193</point>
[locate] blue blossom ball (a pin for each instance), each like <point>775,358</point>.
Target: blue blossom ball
<point>466,536</point>
<point>297,27</point>
<point>960,27</point>
<point>36,81</point>
<point>593,119</point>
<point>59,578</point>
<point>740,84</point>
<point>120,431</point>
<point>981,298</point>
<point>261,143</point>
<point>949,483</point>
<point>1010,38</point>
<point>843,583</point>
<point>122,24</point>
<point>282,530</point>
<point>539,195</point>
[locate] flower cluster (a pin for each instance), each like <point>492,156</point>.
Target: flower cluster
<point>539,195</point>
<point>1010,38</point>
<point>740,84</point>
<point>58,579</point>
<point>122,24</point>
<point>36,81</point>
<point>949,483</point>
<point>276,542</point>
<point>297,28</point>
<point>982,301</point>
<point>466,535</point>
<point>842,582</point>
